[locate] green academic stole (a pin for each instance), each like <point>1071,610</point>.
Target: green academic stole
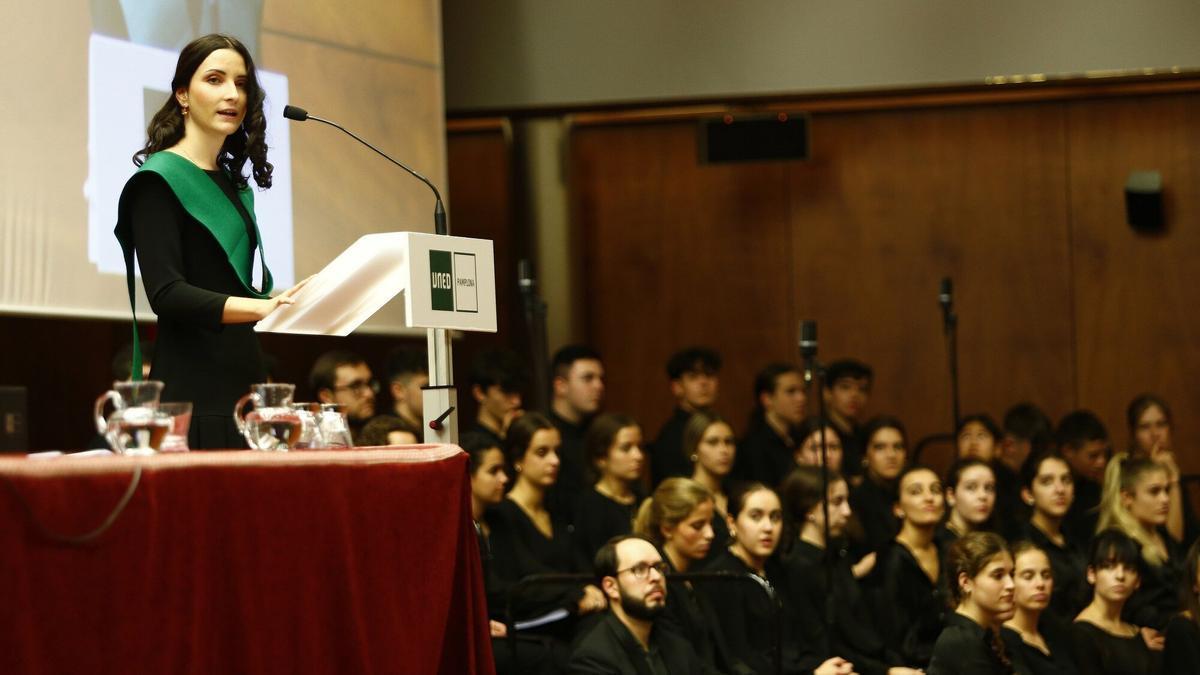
<point>204,200</point>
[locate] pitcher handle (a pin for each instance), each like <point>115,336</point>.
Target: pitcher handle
<point>237,410</point>
<point>101,423</point>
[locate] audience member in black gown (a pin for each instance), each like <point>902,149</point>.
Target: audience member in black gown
<point>577,395</point>
<point>1136,501</point>
<point>970,498</point>
<point>874,500</point>
<point>615,456</point>
<point>1105,643</point>
<point>628,640</point>
<point>527,653</point>
<point>808,451</point>
<point>1149,419</point>
<point>496,379</point>
<point>678,519</point>
<point>816,585</point>
<point>528,538</point>
<point>912,603</point>
<point>407,370</point>
<point>1182,654</point>
<point>752,617</point>
<point>695,386</point>
<point>1041,640</point>
<point>980,570</point>
<point>847,392</point>
<point>1026,431</point>
<point>1048,488</point>
<point>1083,441</point>
<point>978,436</point>
<point>709,444</point>
<point>766,453</point>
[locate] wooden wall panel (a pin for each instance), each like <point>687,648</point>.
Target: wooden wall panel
<point>677,253</point>
<point>1136,322</point>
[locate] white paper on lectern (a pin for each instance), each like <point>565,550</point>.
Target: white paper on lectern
<point>352,287</point>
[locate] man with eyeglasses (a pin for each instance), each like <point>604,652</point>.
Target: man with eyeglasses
<point>343,377</point>
<point>627,641</point>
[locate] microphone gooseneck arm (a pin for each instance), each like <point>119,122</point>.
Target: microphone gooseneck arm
<point>439,211</point>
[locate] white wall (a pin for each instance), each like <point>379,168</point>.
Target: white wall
<point>511,53</point>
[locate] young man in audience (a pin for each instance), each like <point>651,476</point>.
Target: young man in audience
<point>343,377</point>
<point>496,379</point>
<point>766,454</point>
<point>626,640</point>
<point>578,393</point>
<point>694,384</point>
<point>847,391</point>
<point>1083,441</point>
<point>407,372</point>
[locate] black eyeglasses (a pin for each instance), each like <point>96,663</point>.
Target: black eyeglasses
<point>360,386</point>
<point>642,570</point>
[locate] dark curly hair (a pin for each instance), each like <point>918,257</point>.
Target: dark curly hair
<point>248,142</point>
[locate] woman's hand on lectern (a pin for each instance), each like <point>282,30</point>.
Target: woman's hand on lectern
<point>249,310</point>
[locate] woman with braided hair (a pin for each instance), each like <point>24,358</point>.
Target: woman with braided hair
<point>981,584</point>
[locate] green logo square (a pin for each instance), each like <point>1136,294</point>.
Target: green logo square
<point>441,281</point>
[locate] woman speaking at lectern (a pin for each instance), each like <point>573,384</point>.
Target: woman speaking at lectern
<point>188,212</point>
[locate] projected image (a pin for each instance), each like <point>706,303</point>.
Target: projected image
<point>129,73</point>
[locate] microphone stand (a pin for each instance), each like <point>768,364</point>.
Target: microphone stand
<point>535,323</point>
<point>814,373</point>
<point>950,329</point>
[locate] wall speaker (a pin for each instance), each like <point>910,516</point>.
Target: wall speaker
<point>1144,202</point>
<point>755,138</point>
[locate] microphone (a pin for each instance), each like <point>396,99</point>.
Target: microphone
<point>808,347</point>
<point>946,300</point>
<point>525,280</point>
<point>298,114</point>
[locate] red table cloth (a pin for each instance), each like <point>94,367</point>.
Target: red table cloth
<point>360,561</point>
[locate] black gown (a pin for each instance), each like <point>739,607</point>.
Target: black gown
<point>599,518</point>
<point>764,456</point>
<point>1069,565</point>
<point>1182,655</point>
<point>1098,652</point>
<point>519,549</point>
<point>188,277</point>
<point>966,648</point>
<point>912,608</point>
<point>873,505</point>
<point>1157,598</point>
<point>666,452</point>
<point>1056,633</point>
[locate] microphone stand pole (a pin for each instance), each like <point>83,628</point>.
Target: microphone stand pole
<point>950,329</point>
<point>814,373</point>
<point>535,322</point>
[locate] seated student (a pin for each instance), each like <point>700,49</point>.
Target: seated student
<point>1083,441</point>
<point>407,371</point>
<point>695,385</point>
<point>1149,419</point>
<point>808,452</point>
<point>628,640</point>
<point>1182,652</point>
<point>529,653</point>
<point>709,445</point>
<point>1026,431</point>
<point>495,380</point>
<point>613,446</point>
<point>981,584</point>
<point>678,519</point>
<point>1048,488</point>
<point>1105,643</point>
<point>855,636</point>
<point>971,496</point>
<point>847,392</point>
<point>767,451</point>
<point>1041,642</point>
<point>874,499</point>
<point>388,430</point>
<point>751,622</point>
<point>1136,501</point>
<point>343,377</point>
<point>911,600</point>
<point>526,537</point>
<point>978,437</point>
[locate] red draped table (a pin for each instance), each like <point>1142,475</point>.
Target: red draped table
<point>361,561</point>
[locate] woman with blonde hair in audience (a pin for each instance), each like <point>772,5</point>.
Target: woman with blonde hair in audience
<point>1150,424</point>
<point>1136,500</point>
<point>971,498</point>
<point>1106,642</point>
<point>678,519</point>
<point>812,587</point>
<point>710,447</point>
<point>912,600</point>
<point>613,448</point>
<point>980,572</point>
<point>1040,641</point>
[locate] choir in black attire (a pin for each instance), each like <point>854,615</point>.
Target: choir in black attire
<point>913,608</point>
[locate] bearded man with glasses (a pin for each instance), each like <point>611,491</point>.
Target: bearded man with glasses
<point>627,640</point>
<point>343,377</point>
